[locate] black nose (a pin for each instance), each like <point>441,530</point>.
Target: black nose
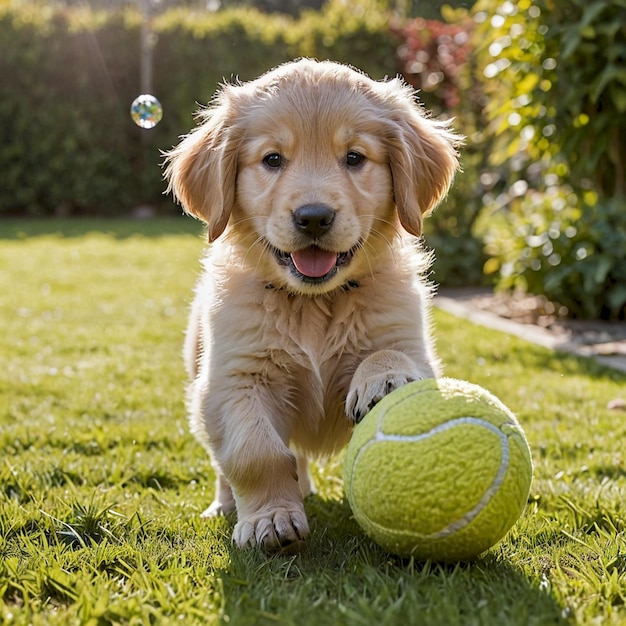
<point>313,219</point>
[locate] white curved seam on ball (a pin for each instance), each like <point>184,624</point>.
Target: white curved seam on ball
<point>476,421</point>
<point>491,491</point>
<point>459,524</point>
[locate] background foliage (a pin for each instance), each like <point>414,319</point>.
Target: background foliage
<point>537,87</point>
<point>437,59</point>
<point>63,113</point>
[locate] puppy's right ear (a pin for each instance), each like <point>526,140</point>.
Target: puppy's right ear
<point>202,168</point>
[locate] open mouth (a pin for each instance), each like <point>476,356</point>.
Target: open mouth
<point>313,264</point>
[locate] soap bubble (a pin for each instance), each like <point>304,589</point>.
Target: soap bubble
<point>146,111</point>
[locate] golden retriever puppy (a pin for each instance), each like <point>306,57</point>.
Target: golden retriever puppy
<point>313,181</point>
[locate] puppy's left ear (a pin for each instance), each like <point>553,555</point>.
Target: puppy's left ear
<point>423,160</point>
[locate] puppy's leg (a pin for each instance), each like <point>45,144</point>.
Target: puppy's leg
<point>263,474</point>
<point>224,501</point>
<point>304,476</point>
<point>379,374</point>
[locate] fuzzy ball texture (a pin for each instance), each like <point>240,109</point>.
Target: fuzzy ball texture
<point>438,469</point>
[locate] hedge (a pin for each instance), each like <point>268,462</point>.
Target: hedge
<point>63,101</point>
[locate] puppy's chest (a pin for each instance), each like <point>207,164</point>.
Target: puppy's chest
<point>315,333</point>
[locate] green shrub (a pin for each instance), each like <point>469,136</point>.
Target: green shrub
<point>66,91</point>
<point>554,74</point>
<point>196,51</point>
<point>571,250</point>
<point>355,32</point>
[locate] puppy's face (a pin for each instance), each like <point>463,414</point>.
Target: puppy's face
<point>314,189</point>
<point>313,170</point>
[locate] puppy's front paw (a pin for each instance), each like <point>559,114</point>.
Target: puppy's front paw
<point>363,397</point>
<point>277,530</point>
<point>379,374</point>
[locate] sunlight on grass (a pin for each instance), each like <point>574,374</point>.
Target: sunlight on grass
<point>101,483</point>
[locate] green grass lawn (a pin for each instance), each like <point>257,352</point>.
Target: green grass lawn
<point>101,483</point>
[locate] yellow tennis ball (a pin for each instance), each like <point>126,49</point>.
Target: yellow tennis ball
<point>438,469</point>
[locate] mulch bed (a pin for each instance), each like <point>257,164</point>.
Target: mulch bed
<point>601,338</point>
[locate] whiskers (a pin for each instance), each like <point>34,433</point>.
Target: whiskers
<point>397,233</point>
<point>369,247</point>
<point>239,227</point>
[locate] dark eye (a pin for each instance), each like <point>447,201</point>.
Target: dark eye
<point>353,159</point>
<point>273,160</point>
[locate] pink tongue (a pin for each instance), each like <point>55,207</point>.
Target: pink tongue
<point>314,262</point>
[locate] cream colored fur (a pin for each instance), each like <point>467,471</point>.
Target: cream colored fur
<point>281,365</point>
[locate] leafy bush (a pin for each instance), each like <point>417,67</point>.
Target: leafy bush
<point>554,74</point>
<point>573,252</point>
<point>435,55</point>
<point>355,32</point>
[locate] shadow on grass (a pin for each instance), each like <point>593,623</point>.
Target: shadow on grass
<point>515,355</point>
<point>565,363</point>
<point>18,229</point>
<point>341,577</point>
